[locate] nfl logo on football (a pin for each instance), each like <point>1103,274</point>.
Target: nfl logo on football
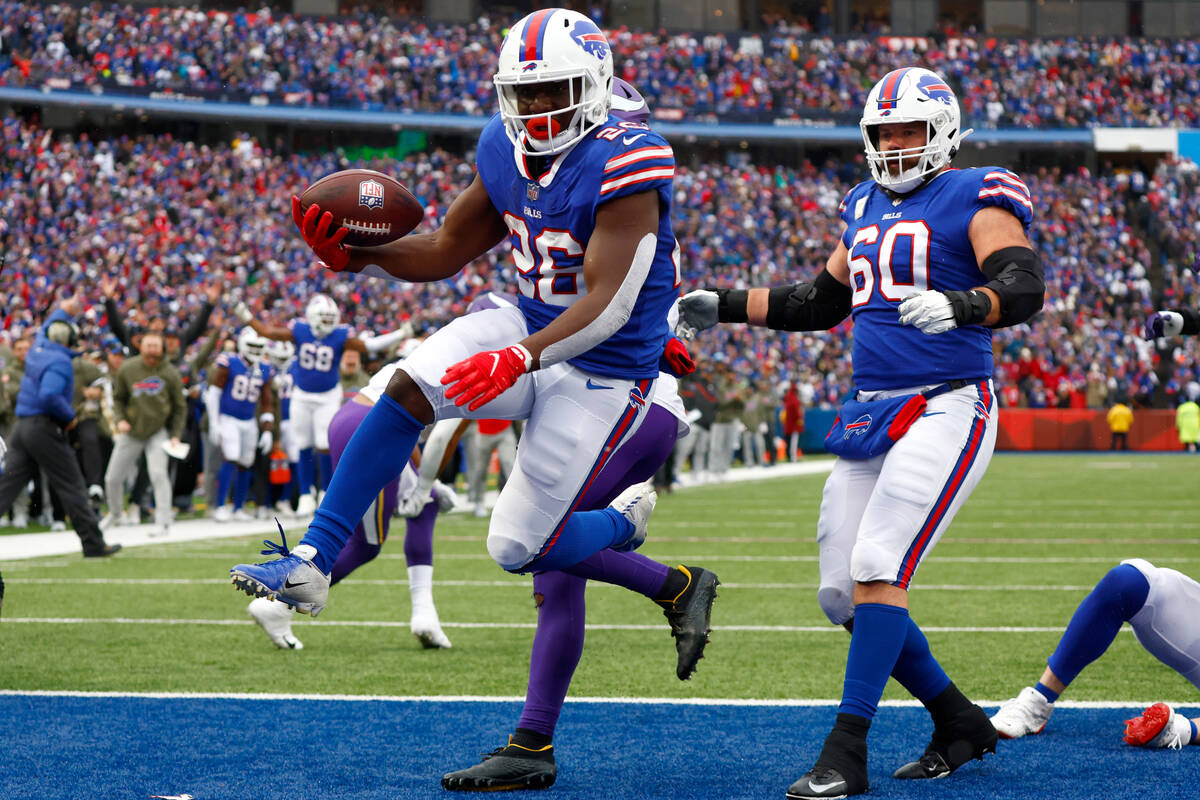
<point>370,194</point>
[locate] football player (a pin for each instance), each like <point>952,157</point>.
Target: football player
<point>233,400</point>
<point>930,260</point>
<point>1160,605</point>
<point>1172,322</point>
<point>319,340</point>
<point>584,199</point>
<point>282,355</point>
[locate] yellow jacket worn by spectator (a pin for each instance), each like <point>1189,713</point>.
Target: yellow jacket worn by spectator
<point>1120,420</point>
<point>1187,420</point>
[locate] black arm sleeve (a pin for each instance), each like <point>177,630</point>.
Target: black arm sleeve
<point>1191,320</point>
<point>115,323</point>
<point>1018,280</point>
<point>815,306</point>
<point>196,326</point>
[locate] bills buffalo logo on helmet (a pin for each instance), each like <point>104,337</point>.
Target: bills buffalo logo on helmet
<point>152,385</point>
<point>370,194</point>
<point>858,427</point>
<point>935,88</point>
<point>589,37</point>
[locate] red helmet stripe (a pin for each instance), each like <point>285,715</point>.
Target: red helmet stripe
<point>534,33</point>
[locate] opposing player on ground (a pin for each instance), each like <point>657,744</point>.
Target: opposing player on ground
<point>240,419</point>
<point>319,339</point>
<point>930,259</point>
<point>1160,605</point>
<point>585,201</point>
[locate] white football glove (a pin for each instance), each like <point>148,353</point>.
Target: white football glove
<point>412,504</point>
<point>265,440</point>
<point>242,312</point>
<point>1163,324</point>
<point>445,496</point>
<point>929,312</point>
<point>697,312</point>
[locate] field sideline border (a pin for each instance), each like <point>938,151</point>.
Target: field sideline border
<point>665,701</point>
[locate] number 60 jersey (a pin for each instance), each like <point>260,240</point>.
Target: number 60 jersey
<point>550,209</point>
<point>900,245</point>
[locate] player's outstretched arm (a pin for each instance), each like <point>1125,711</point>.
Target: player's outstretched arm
<point>277,332</point>
<point>472,227</point>
<point>814,306</point>
<point>1172,322</point>
<point>1015,292</point>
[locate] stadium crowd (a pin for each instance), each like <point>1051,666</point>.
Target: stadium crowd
<point>408,64</point>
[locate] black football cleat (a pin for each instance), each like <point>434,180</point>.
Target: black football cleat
<point>689,614</point>
<point>968,736</point>
<point>841,769</point>
<point>506,769</point>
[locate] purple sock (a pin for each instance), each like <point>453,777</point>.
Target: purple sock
<point>418,537</point>
<point>631,570</point>
<point>557,646</point>
<point>356,552</point>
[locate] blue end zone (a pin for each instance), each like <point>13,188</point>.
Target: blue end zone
<point>70,747</point>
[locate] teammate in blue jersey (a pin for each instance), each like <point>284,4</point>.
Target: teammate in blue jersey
<point>240,419</point>
<point>584,199</point>
<point>930,259</point>
<point>282,355</point>
<point>319,339</point>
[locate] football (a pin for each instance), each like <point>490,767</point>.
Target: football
<point>376,208</point>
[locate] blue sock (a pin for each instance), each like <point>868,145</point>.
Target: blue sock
<point>374,456</point>
<point>1119,595</point>
<point>916,669</point>
<point>224,481</point>
<point>326,462</point>
<point>1195,732</point>
<point>241,487</point>
<point>1046,691</point>
<point>875,645</point>
<point>584,533</point>
<point>307,468</point>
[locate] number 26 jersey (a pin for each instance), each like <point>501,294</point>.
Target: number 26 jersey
<point>919,241</point>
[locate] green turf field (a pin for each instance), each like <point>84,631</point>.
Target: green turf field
<point>1034,538</point>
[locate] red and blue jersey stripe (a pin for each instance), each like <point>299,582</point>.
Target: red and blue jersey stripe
<point>535,35</point>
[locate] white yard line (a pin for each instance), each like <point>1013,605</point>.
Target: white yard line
<point>800,702</point>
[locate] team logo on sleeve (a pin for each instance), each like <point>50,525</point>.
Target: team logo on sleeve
<point>858,427</point>
<point>370,194</point>
<point>588,36</point>
<point>935,88</point>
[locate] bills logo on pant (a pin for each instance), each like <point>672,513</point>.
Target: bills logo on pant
<point>858,427</point>
<point>370,194</point>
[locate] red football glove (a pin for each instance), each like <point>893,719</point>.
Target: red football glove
<point>678,358</point>
<point>483,376</point>
<point>314,227</point>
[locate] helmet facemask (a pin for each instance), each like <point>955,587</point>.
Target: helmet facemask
<point>549,132</point>
<point>251,347</point>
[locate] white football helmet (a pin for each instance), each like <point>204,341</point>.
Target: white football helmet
<point>251,346</point>
<point>912,94</point>
<point>322,315</point>
<point>549,46</point>
<point>281,353</point>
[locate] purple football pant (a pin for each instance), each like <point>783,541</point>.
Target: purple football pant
<point>359,549</point>
<point>558,641</point>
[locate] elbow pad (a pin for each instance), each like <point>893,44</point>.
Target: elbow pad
<point>1018,280</point>
<point>815,306</point>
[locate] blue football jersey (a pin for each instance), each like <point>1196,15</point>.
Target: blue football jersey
<point>918,242</point>
<point>317,360</point>
<point>284,383</point>
<point>551,216</point>
<point>243,386</point>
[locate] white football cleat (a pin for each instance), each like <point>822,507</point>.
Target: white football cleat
<point>1159,726</point>
<point>276,621</point>
<point>242,515</point>
<point>307,506</point>
<point>426,626</point>
<point>284,508</point>
<point>111,520</point>
<point>1024,715</point>
<point>223,513</point>
<point>635,505</point>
